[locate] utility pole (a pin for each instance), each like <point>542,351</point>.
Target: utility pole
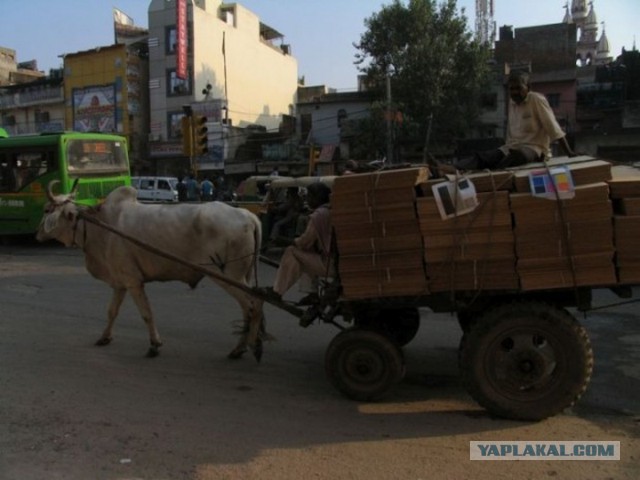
<point>389,139</point>
<point>188,113</point>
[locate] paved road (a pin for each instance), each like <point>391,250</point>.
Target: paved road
<point>69,410</point>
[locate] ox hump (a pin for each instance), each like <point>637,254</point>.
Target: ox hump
<point>121,194</point>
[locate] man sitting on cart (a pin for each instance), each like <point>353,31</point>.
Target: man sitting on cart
<point>531,127</point>
<point>310,253</point>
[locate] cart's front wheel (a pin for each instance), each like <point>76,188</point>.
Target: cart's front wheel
<point>526,361</point>
<point>363,364</point>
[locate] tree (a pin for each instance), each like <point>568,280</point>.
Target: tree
<point>437,70</point>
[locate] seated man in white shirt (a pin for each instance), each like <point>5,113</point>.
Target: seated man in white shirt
<point>531,128</point>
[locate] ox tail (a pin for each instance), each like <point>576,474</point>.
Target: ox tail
<point>257,244</point>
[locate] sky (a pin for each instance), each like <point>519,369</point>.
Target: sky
<point>321,32</point>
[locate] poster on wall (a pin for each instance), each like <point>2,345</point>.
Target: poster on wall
<point>94,109</point>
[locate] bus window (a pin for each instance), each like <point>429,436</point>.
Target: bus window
<point>96,156</point>
<point>7,180</point>
<point>21,168</point>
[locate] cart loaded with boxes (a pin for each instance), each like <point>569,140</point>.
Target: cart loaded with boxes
<point>509,253</point>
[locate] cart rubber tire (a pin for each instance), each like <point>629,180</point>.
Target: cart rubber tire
<point>400,325</point>
<point>526,361</point>
<point>363,364</point>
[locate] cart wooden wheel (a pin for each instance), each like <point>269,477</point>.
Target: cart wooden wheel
<point>526,361</point>
<point>363,364</point>
<point>397,324</point>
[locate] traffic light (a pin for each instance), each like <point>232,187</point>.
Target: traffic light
<point>187,136</point>
<point>201,140</point>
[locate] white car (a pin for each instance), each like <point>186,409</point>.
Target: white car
<point>156,189</point>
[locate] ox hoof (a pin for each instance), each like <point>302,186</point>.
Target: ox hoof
<point>237,353</point>
<point>257,352</point>
<point>153,352</point>
<point>103,341</point>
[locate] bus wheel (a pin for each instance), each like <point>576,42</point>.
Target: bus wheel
<point>363,364</point>
<point>397,324</point>
<point>526,361</point>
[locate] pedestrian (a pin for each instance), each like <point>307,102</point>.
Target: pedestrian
<point>206,190</point>
<point>182,189</point>
<point>193,190</point>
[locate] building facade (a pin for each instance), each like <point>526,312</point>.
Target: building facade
<point>30,102</point>
<point>238,73</point>
<point>105,91</point>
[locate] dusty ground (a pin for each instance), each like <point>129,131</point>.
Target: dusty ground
<point>69,410</point>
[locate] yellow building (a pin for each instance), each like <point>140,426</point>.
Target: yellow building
<point>105,91</point>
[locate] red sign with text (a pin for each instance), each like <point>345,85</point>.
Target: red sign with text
<point>181,39</point>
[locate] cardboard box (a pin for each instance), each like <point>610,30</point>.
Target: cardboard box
<point>558,240</point>
<point>582,173</point>
<point>591,202</point>
<point>629,274</point>
<point>627,206</point>
<point>364,245</point>
<point>625,181</point>
<point>484,182</point>
<point>484,244</point>
<point>499,274</point>
<point>383,179</point>
<point>626,235</point>
<point>585,195</point>
<point>563,272</point>
<point>493,210</point>
<point>352,217</point>
<point>358,199</point>
<point>380,261</point>
<point>400,281</point>
<point>345,231</point>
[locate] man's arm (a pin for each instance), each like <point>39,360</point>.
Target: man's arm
<point>548,120</point>
<point>566,147</point>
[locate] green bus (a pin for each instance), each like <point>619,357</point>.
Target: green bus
<point>99,162</point>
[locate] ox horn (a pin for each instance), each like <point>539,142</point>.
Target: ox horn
<point>50,195</point>
<point>74,187</point>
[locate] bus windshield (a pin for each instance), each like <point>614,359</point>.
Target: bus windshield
<point>88,157</point>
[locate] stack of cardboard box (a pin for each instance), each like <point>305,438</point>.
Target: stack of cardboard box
<point>625,193</point>
<point>469,252</point>
<point>393,241</point>
<point>377,233</point>
<point>566,242</point>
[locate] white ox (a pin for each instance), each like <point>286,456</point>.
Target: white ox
<point>223,238</point>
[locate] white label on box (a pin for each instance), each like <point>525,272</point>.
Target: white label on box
<point>455,197</point>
